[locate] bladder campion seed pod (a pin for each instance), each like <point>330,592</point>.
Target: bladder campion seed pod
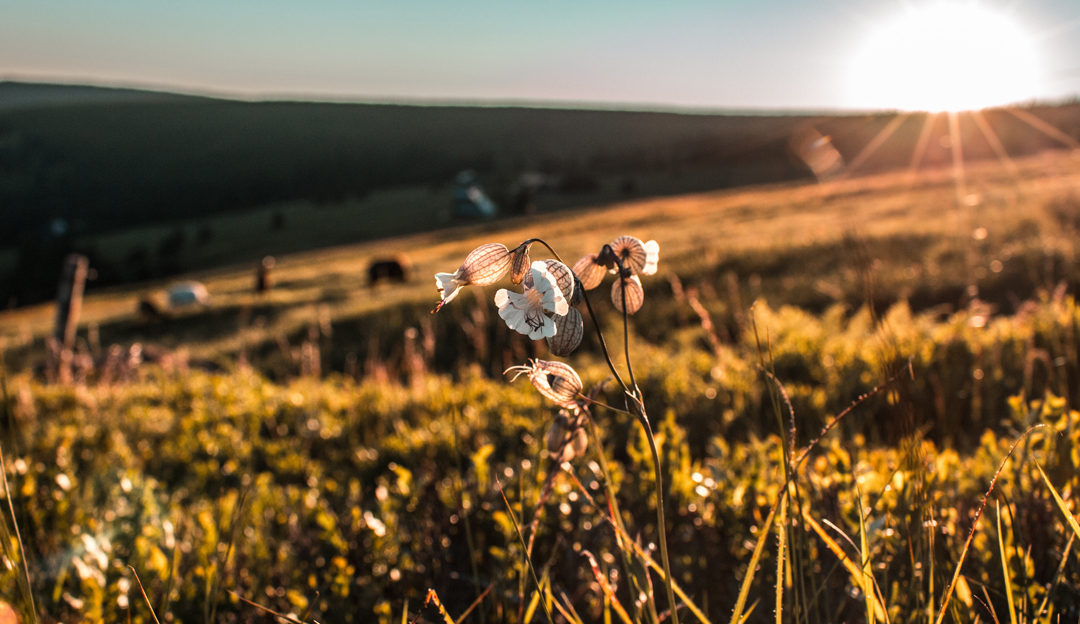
<point>484,266</point>
<point>569,328</point>
<point>566,438</point>
<point>635,295</point>
<point>639,257</point>
<point>590,271</point>
<point>519,270</point>
<point>555,380</point>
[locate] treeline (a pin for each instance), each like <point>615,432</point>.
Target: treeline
<point>102,160</point>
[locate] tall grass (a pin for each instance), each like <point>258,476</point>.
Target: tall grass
<point>771,466</point>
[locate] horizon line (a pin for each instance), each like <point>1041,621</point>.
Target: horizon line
<point>450,102</point>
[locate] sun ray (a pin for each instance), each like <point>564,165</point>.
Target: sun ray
<point>995,143</point>
<point>957,149</point>
<point>920,146</point>
<point>1043,127</point>
<point>877,141</point>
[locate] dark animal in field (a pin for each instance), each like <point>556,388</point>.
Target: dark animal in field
<point>396,269</point>
<point>149,311</point>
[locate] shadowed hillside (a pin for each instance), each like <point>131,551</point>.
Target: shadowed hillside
<point>151,184</point>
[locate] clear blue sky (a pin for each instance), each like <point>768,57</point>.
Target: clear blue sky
<point>774,54</point>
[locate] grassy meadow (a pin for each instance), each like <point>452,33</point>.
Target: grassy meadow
<point>331,451</point>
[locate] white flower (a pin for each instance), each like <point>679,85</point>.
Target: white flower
<point>652,256</point>
<point>525,312</point>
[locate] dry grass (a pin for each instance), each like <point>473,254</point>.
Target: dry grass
<point>694,231</point>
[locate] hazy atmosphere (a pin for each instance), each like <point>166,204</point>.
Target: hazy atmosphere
<point>777,54</point>
<point>491,312</point>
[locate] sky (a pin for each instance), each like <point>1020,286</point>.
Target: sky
<point>720,54</point>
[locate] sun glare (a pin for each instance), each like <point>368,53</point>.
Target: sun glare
<point>944,57</point>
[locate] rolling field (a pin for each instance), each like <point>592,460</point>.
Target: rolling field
<point>331,450</point>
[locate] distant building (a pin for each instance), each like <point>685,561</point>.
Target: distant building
<point>469,199</point>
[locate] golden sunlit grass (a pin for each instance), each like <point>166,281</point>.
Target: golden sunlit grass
<point>694,231</point>
<point>349,498</point>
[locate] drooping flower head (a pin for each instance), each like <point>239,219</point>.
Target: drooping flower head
<point>627,257</point>
<point>630,289</point>
<point>639,257</point>
<point>484,266</point>
<point>555,380</point>
<point>525,312</point>
<point>629,252</point>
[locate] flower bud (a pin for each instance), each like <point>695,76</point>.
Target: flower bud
<point>520,267</point>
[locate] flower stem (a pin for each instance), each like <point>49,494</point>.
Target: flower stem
<point>660,516</point>
<point>634,396</point>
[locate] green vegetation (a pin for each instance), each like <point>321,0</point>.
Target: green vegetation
<point>348,452</point>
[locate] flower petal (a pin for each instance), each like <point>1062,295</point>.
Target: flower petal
<point>449,286</point>
<point>652,256</point>
<point>541,280</point>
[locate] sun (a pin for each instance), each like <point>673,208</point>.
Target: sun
<point>944,57</point>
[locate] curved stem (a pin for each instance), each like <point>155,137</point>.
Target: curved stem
<point>626,333</point>
<point>660,516</point>
<point>634,397</point>
<point>603,343</point>
<point>592,315</point>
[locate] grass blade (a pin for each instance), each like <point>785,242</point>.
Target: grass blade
<point>433,597</point>
<point>25,584</point>
<point>145,597</point>
<point>1060,503</point>
<point>975,525</point>
<point>475,604</point>
<point>528,560</point>
<point>858,575</point>
<point>1005,568</point>
<point>780,554</point>
<point>601,579</point>
<point>744,591</point>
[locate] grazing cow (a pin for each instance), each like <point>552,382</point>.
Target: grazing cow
<point>188,293</point>
<point>396,269</point>
<point>150,312</point>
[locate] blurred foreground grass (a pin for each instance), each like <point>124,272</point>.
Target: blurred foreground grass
<point>343,454</point>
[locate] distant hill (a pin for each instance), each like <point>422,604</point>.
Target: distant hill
<point>103,160</point>
<point>15,95</point>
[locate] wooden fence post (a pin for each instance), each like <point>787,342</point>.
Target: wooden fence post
<point>69,295</point>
